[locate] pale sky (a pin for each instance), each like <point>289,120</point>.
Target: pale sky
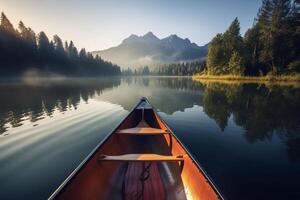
<point>99,24</point>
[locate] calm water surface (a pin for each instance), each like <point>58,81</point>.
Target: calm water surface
<point>246,136</point>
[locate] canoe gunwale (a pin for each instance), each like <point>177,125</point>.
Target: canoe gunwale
<point>201,169</point>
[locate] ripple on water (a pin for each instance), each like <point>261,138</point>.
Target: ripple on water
<point>52,136</point>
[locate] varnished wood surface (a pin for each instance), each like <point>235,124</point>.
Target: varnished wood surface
<point>150,189</point>
<point>140,158</point>
<point>142,131</point>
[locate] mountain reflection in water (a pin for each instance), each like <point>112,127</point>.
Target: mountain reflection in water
<point>205,116</point>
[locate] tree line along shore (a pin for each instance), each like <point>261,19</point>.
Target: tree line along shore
<point>22,50</point>
<point>269,50</point>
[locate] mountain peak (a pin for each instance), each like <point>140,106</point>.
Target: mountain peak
<point>149,34</point>
<point>130,39</point>
<point>133,36</point>
<point>147,49</point>
<point>176,42</point>
<point>173,36</point>
<point>148,37</point>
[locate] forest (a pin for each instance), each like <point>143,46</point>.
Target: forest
<point>270,47</point>
<point>170,69</point>
<point>23,50</point>
<point>180,69</point>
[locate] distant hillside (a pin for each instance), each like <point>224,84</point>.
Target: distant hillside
<point>136,51</point>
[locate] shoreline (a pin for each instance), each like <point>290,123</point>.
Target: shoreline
<point>250,79</point>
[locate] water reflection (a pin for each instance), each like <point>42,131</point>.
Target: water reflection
<point>166,94</point>
<point>228,125</point>
<point>261,110</point>
<point>22,101</point>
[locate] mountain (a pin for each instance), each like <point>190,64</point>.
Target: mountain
<point>136,51</point>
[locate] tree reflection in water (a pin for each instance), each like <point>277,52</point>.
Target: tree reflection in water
<point>35,101</point>
<point>261,110</point>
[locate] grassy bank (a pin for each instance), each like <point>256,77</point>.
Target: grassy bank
<point>278,78</point>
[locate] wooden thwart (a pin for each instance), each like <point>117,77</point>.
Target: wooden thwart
<point>143,131</point>
<point>141,158</point>
<point>143,128</point>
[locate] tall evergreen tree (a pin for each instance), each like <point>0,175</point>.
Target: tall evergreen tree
<point>82,54</point>
<point>9,41</point>
<point>6,25</point>
<point>23,30</point>
<point>28,35</point>
<point>215,58</point>
<point>264,16</point>
<point>253,45</point>
<point>232,39</point>
<point>72,50</point>
<point>44,48</point>
<point>66,47</point>
<point>222,47</point>
<point>43,42</point>
<point>233,42</point>
<point>273,19</point>
<point>28,44</point>
<point>294,28</point>
<point>58,44</point>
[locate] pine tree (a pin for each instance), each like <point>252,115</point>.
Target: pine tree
<point>58,44</point>
<point>236,64</point>
<point>82,54</point>
<point>43,42</point>
<point>253,46</point>
<point>6,25</point>
<point>222,47</point>
<point>273,19</point>
<point>23,30</point>
<point>44,48</point>
<point>72,50</point>
<point>27,35</point>
<point>232,39</point>
<point>294,28</point>
<point>264,16</point>
<point>215,57</point>
<point>66,47</point>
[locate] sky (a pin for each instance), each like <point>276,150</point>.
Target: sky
<point>100,24</point>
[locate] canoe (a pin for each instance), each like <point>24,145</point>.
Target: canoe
<point>140,159</point>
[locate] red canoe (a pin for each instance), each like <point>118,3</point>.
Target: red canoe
<point>140,159</point>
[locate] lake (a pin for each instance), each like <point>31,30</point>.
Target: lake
<point>246,136</point>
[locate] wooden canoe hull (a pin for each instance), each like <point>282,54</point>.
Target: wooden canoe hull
<point>105,180</point>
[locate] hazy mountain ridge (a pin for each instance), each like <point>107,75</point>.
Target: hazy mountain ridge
<point>136,51</point>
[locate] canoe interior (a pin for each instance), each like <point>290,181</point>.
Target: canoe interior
<point>122,180</point>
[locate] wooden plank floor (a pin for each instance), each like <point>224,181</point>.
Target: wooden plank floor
<point>133,186</point>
